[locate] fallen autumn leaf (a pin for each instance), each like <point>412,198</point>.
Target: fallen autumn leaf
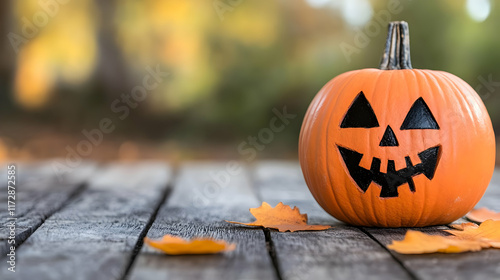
<point>482,214</point>
<point>416,242</point>
<point>488,233</point>
<point>173,245</point>
<point>466,237</point>
<point>463,226</point>
<point>282,217</point>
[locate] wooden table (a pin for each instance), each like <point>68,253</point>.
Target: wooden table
<point>90,224</point>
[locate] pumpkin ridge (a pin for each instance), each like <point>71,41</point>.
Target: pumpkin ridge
<point>310,135</point>
<point>463,97</point>
<point>305,131</point>
<point>463,104</point>
<point>315,131</point>
<point>425,76</point>
<point>365,209</point>
<point>460,98</point>
<point>415,78</point>
<point>386,99</point>
<point>440,84</point>
<point>418,78</point>
<point>400,206</point>
<point>459,85</point>
<point>332,191</point>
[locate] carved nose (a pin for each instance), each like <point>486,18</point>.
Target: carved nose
<point>389,139</point>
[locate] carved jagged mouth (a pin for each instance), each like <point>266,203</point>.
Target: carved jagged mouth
<point>391,180</point>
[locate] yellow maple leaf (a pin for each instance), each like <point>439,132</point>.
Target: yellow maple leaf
<point>282,217</point>
<point>173,245</point>
<point>482,214</point>
<point>488,233</point>
<point>416,242</point>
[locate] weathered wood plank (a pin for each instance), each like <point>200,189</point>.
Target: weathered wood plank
<point>94,236</point>
<point>39,193</point>
<point>203,197</point>
<point>342,252</point>
<point>476,265</point>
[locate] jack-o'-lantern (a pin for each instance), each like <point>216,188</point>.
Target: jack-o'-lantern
<point>397,146</point>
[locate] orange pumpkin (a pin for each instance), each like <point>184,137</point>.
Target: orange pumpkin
<point>396,146</point>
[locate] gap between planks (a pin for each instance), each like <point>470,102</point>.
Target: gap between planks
<point>72,196</point>
<point>140,241</point>
<point>186,216</point>
<point>410,273</point>
<point>271,250</point>
<point>97,186</point>
<point>277,181</point>
<point>270,246</point>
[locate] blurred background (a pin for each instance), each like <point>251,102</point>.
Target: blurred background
<point>204,78</point>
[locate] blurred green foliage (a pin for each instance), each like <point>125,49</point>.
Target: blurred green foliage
<point>227,72</point>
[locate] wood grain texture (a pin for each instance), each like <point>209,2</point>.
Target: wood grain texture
<point>39,193</point>
<point>94,236</point>
<point>342,252</point>
<point>72,231</point>
<point>204,195</point>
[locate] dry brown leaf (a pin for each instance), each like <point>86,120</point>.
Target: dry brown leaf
<point>482,214</point>
<point>416,242</point>
<point>488,233</point>
<point>173,245</point>
<point>282,217</point>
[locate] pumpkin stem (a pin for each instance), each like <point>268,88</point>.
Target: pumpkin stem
<point>397,47</point>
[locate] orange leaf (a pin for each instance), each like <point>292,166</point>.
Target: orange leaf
<point>463,226</point>
<point>482,214</point>
<point>488,233</point>
<point>282,217</point>
<point>173,245</point>
<point>416,242</point>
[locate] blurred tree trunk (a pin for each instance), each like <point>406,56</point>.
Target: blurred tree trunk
<point>113,76</point>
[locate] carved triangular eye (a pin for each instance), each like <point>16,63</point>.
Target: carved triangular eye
<point>419,117</point>
<point>360,114</point>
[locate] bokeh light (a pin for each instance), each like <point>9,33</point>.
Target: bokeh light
<point>478,10</point>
